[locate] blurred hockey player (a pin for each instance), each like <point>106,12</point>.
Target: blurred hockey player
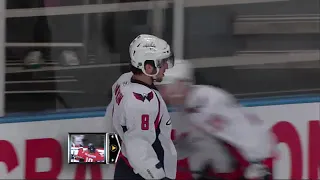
<point>224,140</point>
<point>140,115</point>
<point>90,155</point>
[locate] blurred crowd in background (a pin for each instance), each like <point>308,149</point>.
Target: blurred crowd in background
<point>69,58</point>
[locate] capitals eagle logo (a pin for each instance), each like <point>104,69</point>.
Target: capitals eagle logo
<point>143,97</point>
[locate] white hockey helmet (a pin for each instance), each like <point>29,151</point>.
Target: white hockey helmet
<point>148,47</point>
<point>182,70</point>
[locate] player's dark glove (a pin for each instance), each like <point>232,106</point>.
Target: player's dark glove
<point>166,178</point>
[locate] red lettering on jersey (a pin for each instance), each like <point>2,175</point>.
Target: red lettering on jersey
<point>119,98</point>
<point>118,94</point>
<point>117,89</point>
<point>145,122</point>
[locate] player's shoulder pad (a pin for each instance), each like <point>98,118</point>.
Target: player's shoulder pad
<point>126,77</point>
<point>139,95</point>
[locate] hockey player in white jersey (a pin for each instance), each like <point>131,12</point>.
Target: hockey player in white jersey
<point>232,142</point>
<point>140,115</point>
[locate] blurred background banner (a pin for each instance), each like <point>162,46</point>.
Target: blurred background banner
<point>64,55</point>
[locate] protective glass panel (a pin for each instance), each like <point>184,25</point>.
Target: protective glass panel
<point>67,54</point>
<point>255,49</point>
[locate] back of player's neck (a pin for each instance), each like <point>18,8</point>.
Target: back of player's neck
<point>146,79</point>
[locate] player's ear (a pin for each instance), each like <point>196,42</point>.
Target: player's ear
<point>150,67</point>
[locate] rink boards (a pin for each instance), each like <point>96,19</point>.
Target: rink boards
<point>35,146</point>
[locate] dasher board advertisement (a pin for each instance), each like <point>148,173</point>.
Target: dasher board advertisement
<point>39,150</point>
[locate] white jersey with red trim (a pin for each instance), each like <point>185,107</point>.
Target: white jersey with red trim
<point>217,114</point>
<point>142,120</point>
<point>122,80</point>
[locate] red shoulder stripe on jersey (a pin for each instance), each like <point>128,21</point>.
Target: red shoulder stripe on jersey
<point>116,91</point>
<point>119,98</point>
<point>118,94</point>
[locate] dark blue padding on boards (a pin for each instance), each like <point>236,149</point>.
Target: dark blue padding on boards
<point>100,112</point>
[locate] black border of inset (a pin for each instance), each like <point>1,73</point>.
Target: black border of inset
<point>84,133</point>
<point>118,145</point>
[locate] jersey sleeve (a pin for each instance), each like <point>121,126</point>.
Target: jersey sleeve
<point>139,137</point>
<point>108,117</point>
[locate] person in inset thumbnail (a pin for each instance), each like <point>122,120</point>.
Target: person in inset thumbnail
<point>89,155</point>
<point>77,141</point>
